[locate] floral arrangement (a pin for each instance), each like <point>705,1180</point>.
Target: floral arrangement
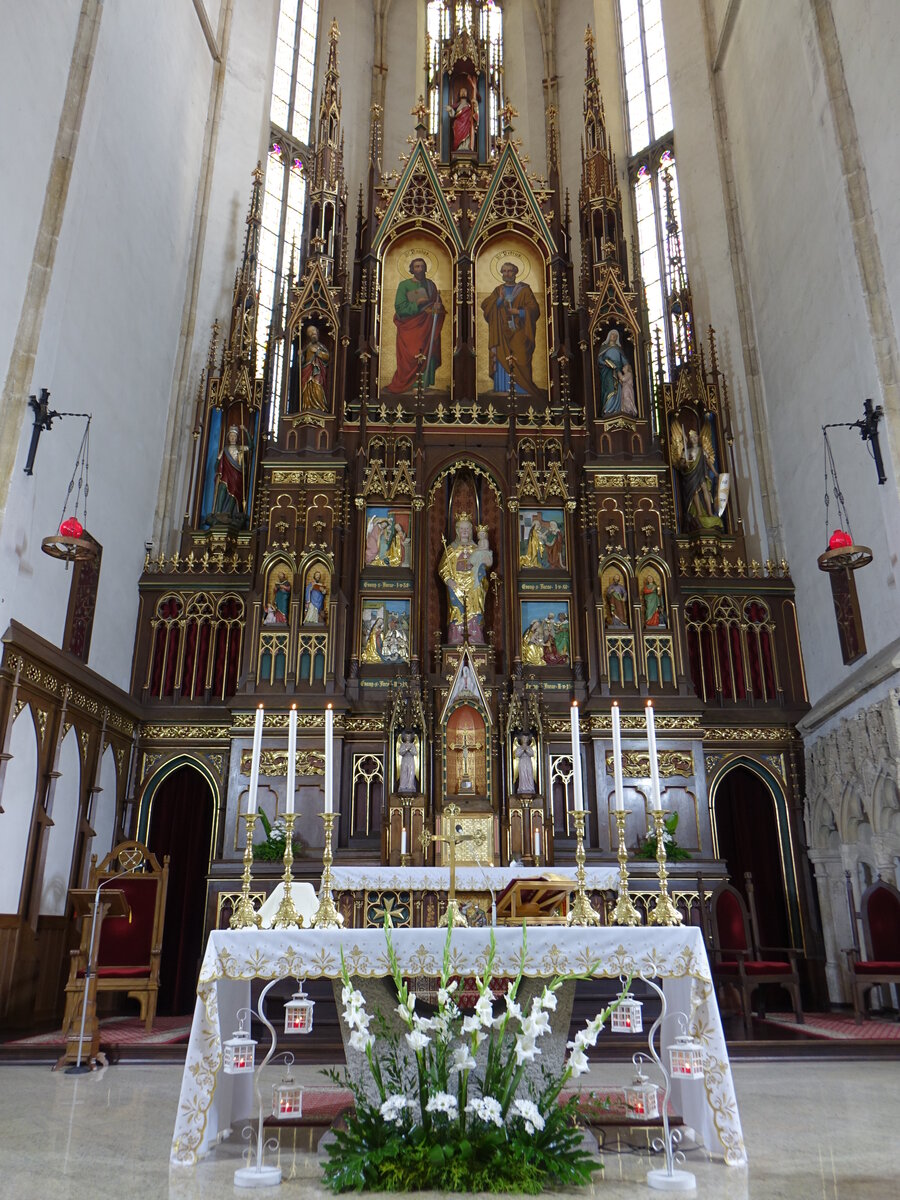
<point>676,853</point>
<point>450,1113</point>
<point>272,849</point>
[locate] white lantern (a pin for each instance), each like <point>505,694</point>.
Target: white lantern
<point>627,1018</point>
<point>298,1013</point>
<point>642,1098</point>
<point>686,1058</point>
<point>287,1099</point>
<point>239,1052</point>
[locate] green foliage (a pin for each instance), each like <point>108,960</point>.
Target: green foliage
<point>272,849</point>
<point>674,852</point>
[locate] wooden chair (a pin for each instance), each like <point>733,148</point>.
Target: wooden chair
<point>880,914</point>
<point>130,948</point>
<point>739,960</point>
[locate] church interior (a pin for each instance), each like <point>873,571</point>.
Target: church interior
<point>449,476</point>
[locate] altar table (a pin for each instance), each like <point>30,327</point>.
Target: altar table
<point>468,879</point>
<point>211,1101</point>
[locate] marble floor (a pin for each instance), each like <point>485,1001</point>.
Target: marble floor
<point>814,1131</point>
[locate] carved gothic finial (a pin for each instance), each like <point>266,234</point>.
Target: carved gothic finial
<point>420,112</point>
<point>507,113</point>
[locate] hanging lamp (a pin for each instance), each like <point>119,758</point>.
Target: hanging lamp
<point>69,543</point>
<point>843,554</point>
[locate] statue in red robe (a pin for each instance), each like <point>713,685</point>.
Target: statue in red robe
<point>464,122</point>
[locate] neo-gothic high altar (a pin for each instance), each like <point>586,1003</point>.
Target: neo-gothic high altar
<point>463,490</point>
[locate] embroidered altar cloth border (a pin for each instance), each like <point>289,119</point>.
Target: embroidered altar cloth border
<point>211,1101</point>
<point>468,879</point>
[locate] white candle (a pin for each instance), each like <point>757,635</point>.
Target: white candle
<point>329,758</point>
<point>537,843</point>
<point>654,762</point>
<point>576,758</point>
<point>617,756</point>
<point>403,842</point>
<point>292,759</point>
<point>254,761</point>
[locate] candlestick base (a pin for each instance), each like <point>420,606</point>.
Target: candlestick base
<point>582,911</point>
<point>287,916</point>
<point>326,915</point>
<point>455,913</point>
<point>405,860</point>
<point>664,912</point>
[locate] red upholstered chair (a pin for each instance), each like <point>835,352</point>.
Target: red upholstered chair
<point>880,912</point>
<point>130,948</point>
<point>739,960</point>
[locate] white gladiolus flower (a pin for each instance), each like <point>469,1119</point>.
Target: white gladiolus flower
<point>357,1018</point>
<point>536,1024</point>
<point>360,1040</point>
<point>392,1109</point>
<point>513,1009</point>
<point>526,1050</point>
<point>351,998</point>
<point>471,1025</point>
<point>591,1032</point>
<point>548,1000</point>
<point>486,1109</point>
<point>462,1059</point>
<point>528,1111</point>
<point>445,994</point>
<point>442,1102</point>
<point>484,1009</point>
<point>577,1061</point>
<point>417,1040</point>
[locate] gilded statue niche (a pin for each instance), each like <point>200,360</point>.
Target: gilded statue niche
<point>416,315</point>
<point>511,318</point>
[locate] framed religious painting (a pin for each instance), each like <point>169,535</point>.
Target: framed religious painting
<point>384,632</point>
<point>511,319</point>
<point>546,639</point>
<point>416,316</point>
<point>387,537</point>
<point>542,540</point>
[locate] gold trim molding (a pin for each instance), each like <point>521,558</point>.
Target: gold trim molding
<point>184,732</point>
<point>766,733</point>
<point>636,764</point>
<point>275,762</point>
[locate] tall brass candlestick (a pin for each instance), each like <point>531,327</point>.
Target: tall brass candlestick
<point>245,915</point>
<point>664,911</point>
<point>582,911</point>
<point>327,916</point>
<point>287,916</point>
<point>624,913</point>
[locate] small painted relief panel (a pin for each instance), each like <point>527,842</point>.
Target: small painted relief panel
<point>316,591</point>
<point>653,598</point>
<point>387,541</point>
<point>542,539</point>
<point>616,601</point>
<point>384,632</point>
<point>511,301</point>
<point>416,316</point>
<point>545,633</point>
<point>614,372</point>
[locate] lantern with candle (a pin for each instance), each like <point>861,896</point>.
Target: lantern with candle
<point>641,1096</point>
<point>626,1016</point>
<point>287,1096</point>
<point>239,1052</point>
<point>298,1013</point>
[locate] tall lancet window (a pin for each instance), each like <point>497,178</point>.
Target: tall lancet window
<point>652,170</point>
<point>482,18</point>
<point>290,116</point>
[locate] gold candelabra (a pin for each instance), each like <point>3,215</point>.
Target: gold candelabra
<point>624,913</point>
<point>287,916</point>
<point>664,911</point>
<point>453,914</point>
<point>327,916</point>
<point>582,911</point>
<point>245,915</point>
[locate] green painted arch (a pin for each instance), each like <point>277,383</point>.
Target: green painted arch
<point>158,777</point>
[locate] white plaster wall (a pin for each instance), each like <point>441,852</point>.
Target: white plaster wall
<point>110,329</point>
<point>523,80</point>
<point>17,798</point>
<point>61,835</point>
<point>400,92</point>
<point>574,19</point>
<point>815,349</point>
<point>35,51</point>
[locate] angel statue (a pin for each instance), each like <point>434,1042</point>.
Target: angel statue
<point>704,490</point>
<point>407,763</point>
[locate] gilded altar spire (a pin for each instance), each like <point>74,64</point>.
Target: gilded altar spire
<point>327,187</point>
<point>600,199</point>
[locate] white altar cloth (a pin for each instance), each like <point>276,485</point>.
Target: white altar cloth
<point>211,1101</point>
<point>468,879</point>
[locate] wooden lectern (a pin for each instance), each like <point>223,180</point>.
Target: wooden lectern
<point>537,901</point>
<point>110,902</point>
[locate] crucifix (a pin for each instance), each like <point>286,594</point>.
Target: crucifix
<point>454,838</point>
<point>464,782</point>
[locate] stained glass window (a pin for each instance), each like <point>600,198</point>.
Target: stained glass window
<point>290,120</point>
<point>652,162</point>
